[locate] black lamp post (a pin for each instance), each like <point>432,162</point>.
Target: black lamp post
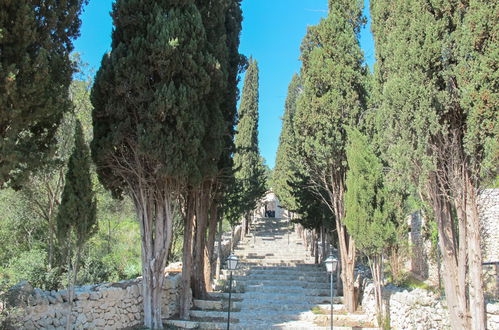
<point>232,261</point>
<point>331,263</point>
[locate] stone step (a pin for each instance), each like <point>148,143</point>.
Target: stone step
<point>300,267</point>
<point>215,305</point>
<point>267,264</point>
<point>292,306</point>
<point>283,277</point>
<point>288,272</point>
<point>312,298</point>
<point>288,289</point>
<point>272,261</point>
<point>215,316</point>
<point>248,282</point>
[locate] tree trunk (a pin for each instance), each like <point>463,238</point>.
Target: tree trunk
<point>346,247</point>
<point>155,215</point>
<point>456,296</point>
<point>210,246</point>
<point>198,280</point>
<point>316,246</point>
<point>243,227</point>
<point>376,263</point>
<point>186,293</point>
<point>347,255</point>
<point>477,301</point>
<point>51,235</point>
<point>219,249</point>
<point>323,234</point>
<point>70,286</point>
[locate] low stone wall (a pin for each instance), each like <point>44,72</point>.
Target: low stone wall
<point>226,246</point>
<point>103,306</point>
<point>418,309</point>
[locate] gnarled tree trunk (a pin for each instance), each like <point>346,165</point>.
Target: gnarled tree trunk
<point>155,214</point>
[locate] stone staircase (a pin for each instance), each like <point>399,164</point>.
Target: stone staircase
<point>276,286</point>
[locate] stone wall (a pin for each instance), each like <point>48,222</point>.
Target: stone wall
<point>102,306</point>
<point>423,262</point>
<point>488,202</point>
<point>226,246</point>
<point>417,309</point>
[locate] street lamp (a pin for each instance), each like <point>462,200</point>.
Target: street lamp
<point>331,263</point>
<point>232,261</point>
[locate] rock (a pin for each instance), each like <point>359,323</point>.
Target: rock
<point>95,295</point>
<point>99,322</point>
<point>83,296</point>
<point>81,319</point>
<point>52,300</point>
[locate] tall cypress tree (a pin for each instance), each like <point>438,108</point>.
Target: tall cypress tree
<point>250,173</point>
<point>334,95</point>
<point>35,74</point>
<point>76,220</point>
<point>285,164</point>
<point>150,119</point>
<point>435,77</point>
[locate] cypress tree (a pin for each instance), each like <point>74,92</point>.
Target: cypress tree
<point>367,215</point>
<point>285,164</point>
<point>249,174</point>
<point>435,76</point>
<point>222,23</point>
<point>334,95</point>
<point>150,119</point>
<point>76,220</point>
<point>35,74</point>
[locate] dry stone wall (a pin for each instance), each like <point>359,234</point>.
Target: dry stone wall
<point>418,309</point>
<point>103,306</point>
<point>488,202</point>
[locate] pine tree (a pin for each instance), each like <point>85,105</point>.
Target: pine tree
<point>367,214</point>
<point>151,117</point>
<point>250,173</point>
<point>76,220</point>
<point>434,75</point>
<point>285,164</point>
<point>35,74</point>
<point>334,95</point>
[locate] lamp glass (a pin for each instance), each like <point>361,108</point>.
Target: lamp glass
<point>331,263</point>
<point>232,261</point>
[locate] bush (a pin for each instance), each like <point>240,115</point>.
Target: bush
<point>30,266</point>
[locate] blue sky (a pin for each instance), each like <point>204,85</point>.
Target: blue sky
<point>272,34</point>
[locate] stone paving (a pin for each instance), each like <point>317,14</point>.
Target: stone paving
<point>276,285</point>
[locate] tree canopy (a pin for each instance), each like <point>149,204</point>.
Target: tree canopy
<point>36,39</point>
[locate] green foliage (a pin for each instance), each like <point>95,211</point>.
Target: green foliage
<point>334,94</point>
<point>312,212</point>
<point>248,165</point>
<point>157,123</point>
<point>29,219</point>
<point>367,216</point>
<point>285,166</point>
<point>77,212</point>
<point>477,79</point>
<point>445,107</point>
<point>35,73</point>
